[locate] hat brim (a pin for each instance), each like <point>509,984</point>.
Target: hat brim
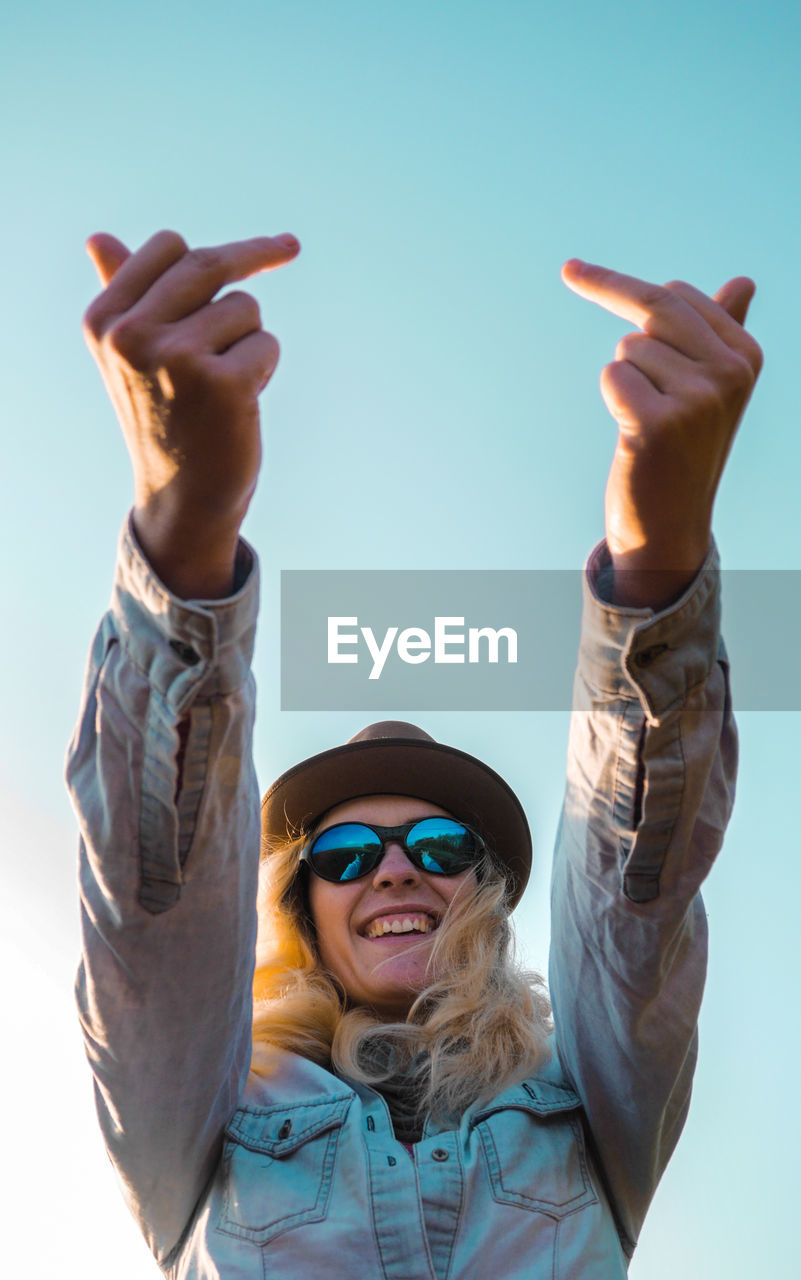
<point>432,771</point>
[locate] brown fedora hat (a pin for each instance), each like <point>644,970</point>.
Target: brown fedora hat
<point>396,758</point>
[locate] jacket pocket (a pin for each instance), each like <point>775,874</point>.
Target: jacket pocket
<point>278,1163</point>
<point>534,1147</point>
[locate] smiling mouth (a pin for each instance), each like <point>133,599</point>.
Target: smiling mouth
<point>394,926</point>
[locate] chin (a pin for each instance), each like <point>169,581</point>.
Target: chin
<point>395,999</point>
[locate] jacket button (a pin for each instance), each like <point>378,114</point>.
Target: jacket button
<point>285,1130</point>
<point>185,652</point>
<point>439,1153</point>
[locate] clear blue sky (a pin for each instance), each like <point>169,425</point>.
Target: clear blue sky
<point>438,161</point>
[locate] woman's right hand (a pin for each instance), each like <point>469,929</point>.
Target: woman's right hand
<point>184,373</point>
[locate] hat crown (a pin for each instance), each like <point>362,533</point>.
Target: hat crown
<point>391,729</point>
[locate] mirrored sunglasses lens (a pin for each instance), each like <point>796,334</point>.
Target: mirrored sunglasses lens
<point>444,847</point>
<point>344,852</point>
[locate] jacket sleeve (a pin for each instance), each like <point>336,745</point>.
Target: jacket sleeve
<point>650,785</point>
<point>168,868</point>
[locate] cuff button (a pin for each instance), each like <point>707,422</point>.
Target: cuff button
<point>646,656</point>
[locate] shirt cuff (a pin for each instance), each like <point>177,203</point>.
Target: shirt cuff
<point>185,649</point>
<point>658,656</point>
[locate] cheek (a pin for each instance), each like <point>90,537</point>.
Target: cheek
<point>461,887</point>
<point>330,908</point>
<point>322,902</point>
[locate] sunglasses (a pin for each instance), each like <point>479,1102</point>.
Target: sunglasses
<point>351,850</point>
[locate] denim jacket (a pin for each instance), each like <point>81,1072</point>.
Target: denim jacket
<point>298,1173</point>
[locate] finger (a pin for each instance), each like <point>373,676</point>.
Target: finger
<point>195,278</point>
<point>107,253</point>
<point>218,325</point>
<point>133,277</point>
<point>658,311</point>
<point>724,310</point>
<point>735,297</point>
<point>664,366</point>
<point>252,360</point>
<point>625,296</point>
<point>725,313</point>
<point>630,396</point>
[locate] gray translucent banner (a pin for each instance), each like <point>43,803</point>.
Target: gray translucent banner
<point>495,640</point>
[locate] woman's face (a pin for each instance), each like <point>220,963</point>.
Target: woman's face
<point>387,971</point>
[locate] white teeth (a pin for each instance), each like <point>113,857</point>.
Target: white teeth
<point>409,924</point>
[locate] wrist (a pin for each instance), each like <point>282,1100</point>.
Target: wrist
<point>195,559</point>
<point>654,577</point>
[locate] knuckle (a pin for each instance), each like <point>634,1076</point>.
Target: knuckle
<point>94,321</point>
<point>630,345</point>
<point>170,242</point>
<point>172,353</point>
<point>757,357</point>
<point>245,306</point>
<point>204,259</point>
<point>262,361</point>
<point>125,338</point>
<point>737,372</point>
<point>656,296</point>
<point>270,350</point>
<point>614,371</point>
<point>612,377</point>
<point>182,356</point>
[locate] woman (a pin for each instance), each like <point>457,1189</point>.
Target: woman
<point>391,1102</point>
<point>385,931</point>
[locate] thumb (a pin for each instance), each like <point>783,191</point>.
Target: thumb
<point>107,254</point>
<point>735,295</point>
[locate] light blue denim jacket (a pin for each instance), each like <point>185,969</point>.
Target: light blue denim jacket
<point>231,1175</point>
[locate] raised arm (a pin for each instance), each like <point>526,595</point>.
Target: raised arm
<point>653,751</point>
<point>160,768</point>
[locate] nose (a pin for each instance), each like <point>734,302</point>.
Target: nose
<point>395,869</point>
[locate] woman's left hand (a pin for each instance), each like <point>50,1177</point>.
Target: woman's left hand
<point>677,390</point>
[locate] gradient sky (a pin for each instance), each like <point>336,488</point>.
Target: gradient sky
<point>438,162</point>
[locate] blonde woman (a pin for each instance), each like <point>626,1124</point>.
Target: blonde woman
<point>383,1093</point>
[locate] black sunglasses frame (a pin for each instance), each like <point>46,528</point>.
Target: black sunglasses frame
<point>388,835</point>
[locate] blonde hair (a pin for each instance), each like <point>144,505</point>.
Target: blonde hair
<point>478,1026</point>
